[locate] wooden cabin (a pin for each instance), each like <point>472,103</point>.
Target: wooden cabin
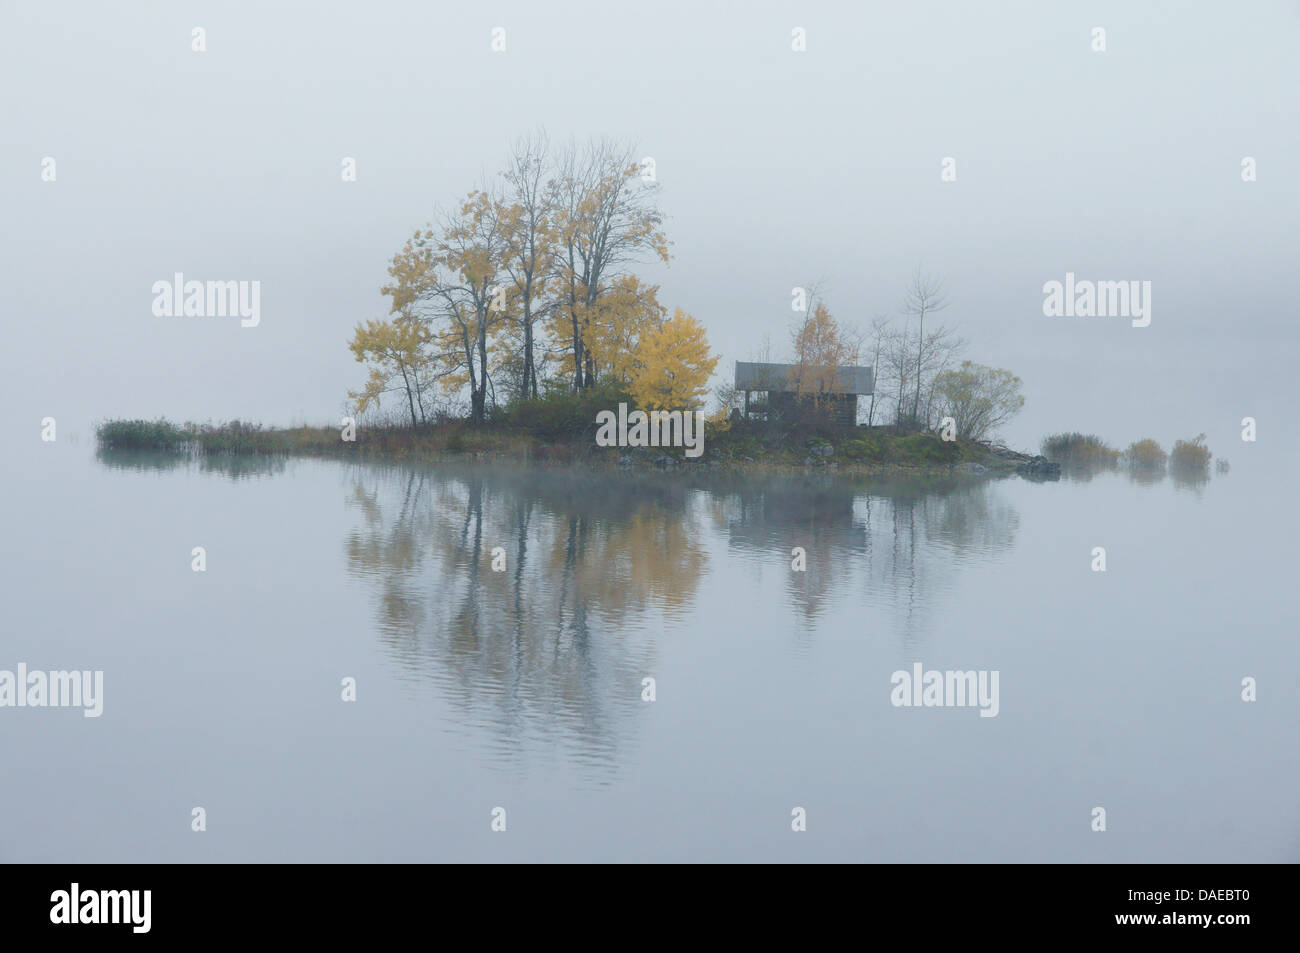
<point>778,385</point>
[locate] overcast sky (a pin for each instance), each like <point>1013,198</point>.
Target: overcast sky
<point>777,168</point>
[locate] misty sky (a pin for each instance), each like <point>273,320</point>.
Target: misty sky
<point>778,168</point>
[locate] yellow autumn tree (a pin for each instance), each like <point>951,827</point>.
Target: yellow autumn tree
<point>672,365</point>
<point>446,277</point>
<point>821,347</point>
<point>396,353</point>
<point>614,326</point>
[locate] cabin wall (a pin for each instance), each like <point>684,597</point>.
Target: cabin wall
<point>842,409</point>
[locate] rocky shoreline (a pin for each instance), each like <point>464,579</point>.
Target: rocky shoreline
<point>1000,462</point>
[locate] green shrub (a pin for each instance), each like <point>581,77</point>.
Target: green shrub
<point>561,413</point>
<point>739,445</point>
<point>1146,454</point>
<point>456,442</point>
<point>926,448</point>
<point>866,449</point>
<point>1077,449</point>
<point>1190,455</point>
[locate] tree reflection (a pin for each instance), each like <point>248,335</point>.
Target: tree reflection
<point>555,646</point>
<point>883,539</point>
<point>558,642</point>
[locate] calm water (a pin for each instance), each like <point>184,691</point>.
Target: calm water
<point>522,689</point>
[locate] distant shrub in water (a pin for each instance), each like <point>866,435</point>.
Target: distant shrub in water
<point>1190,455</point>
<point>142,435</point>
<point>1146,454</point>
<point>1077,449</point>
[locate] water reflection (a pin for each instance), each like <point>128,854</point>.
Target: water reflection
<point>555,645</point>
<point>235,466</point>
<point>242,466</point>
<point>559,636</point>
<point>887,540</point>
<point>1192,478</point>
<point>1183,477</point>
<point>141,461</point>
<point>524,686</point>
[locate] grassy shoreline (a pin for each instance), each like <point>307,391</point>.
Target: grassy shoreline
<point>740,448</point>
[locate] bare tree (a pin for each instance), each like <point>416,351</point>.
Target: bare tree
<point>529,245</point>
<point>924,295</point>
<point>897,366</point>
<point>730,400</point>
<point>938,350</point>
<point>879,332</point>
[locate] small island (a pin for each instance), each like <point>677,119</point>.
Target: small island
<point>517,322</point>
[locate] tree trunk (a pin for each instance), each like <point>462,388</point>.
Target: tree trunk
<point>920,347</point>
<point>530,375</point>
<point>410,402</point>
<point>482,372</point>
<point>475,397</point>
<point>577,352</point>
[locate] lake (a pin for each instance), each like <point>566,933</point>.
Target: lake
<point>523,686</point>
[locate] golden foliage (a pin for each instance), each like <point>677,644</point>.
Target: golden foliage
<point>821,347</point>
<point>395,351</point>
<point>615,324</point>
<point>672,364</point>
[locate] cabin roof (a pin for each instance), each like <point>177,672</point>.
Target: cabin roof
<point>778,377</point>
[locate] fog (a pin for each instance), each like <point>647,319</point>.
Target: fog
<point>778,168</point>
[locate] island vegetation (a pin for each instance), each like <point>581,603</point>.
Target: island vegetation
<point>516,315</point>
